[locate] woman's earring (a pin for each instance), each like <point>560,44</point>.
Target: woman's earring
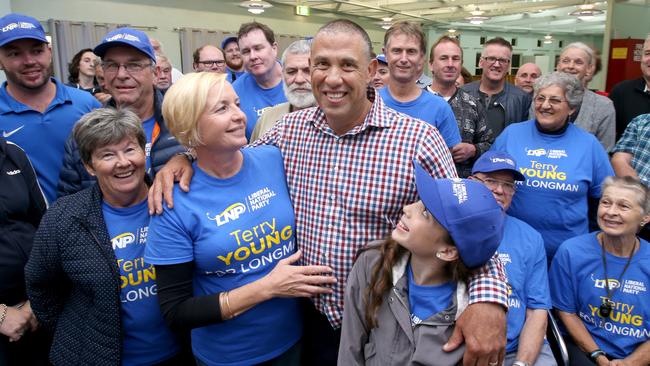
<point>438,255</point>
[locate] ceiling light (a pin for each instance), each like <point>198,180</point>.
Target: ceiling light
<point>586,10</point>
<point>451,30</point>
<point>548,39</point>
<point>255,6</point>
<point>386,23</point>
<point>477,17</point>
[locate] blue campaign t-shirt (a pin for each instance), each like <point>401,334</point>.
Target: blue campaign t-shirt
<point>561,172</point>
<point>429,108</point>
<point>428,300</point>
<point>235,230</point>
<point>254,99</point>
<point>229,74</point>
<point>578,285</point>
<point>522,253</point>
<point>148,126</point>
<point>43,135</point>
<point>145,337</point>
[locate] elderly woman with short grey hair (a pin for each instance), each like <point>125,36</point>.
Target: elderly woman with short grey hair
<point>596,113</point>
<point>563,164</point>
<point>86,277</point>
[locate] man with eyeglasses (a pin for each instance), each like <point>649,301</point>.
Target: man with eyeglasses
<point>260,88</point>
<point>522,253</point>
<point>504,102</point>
<point>129,65</point>
<point>209,58</point>
<point>37,111</point>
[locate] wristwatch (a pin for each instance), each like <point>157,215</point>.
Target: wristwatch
<point>595,354</point>
<point>520,363</point>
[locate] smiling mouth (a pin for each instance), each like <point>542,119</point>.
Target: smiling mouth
<point>335,95</point>
<point>125,174</point>
<point>400,225</point>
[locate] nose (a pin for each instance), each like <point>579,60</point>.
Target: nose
<point>301,77</point>
<point>238,114</point>
<point>122,160</point>
<point>121,72</point>
<point>333,76</point>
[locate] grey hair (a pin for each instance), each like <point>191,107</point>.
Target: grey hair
<point>348,27</point>
<point>591,56</point>
<point>642,194</point>
<point>573,89</point>
<point>160,58</point>
<point>106,126</point>
<point>299,47</point>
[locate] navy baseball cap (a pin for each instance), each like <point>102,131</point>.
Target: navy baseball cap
<point>126,37</point>
<point>492,161</point>
<point>227,40</point>
<point>16,26</point>
<point>381,58</point>
<point>469,212</point>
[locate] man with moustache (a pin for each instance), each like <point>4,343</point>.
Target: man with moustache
<point>405,49</point>
<point>297,87</point>
<point>504,102</point>
<point>163,73</point>
<point>234,61</point>
<point>37,112</point>
<point>129,65</point>
<point>526,76</point>
<point>445,63</point>
<point>261,86</point>
<point>349,171</point>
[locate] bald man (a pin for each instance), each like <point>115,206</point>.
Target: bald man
<point>526,76</point>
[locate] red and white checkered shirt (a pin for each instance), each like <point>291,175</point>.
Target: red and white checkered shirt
<point>349,190</point>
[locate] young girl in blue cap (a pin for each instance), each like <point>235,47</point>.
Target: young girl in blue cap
<point>405,293</point>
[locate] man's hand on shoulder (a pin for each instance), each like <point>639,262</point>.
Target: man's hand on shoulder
<point>178,169</point>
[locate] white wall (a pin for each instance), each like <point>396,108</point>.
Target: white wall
<point>165,15</point>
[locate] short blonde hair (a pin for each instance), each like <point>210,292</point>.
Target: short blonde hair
<point>185,101</point>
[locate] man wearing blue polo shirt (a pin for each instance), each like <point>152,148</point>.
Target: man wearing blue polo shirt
<point>261,86</point>
<point>405,48</point>
<point>523,255</point>
<point>37,112</point>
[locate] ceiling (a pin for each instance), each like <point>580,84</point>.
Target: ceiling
<point>530,16</point>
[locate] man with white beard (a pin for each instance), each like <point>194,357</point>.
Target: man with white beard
<point>297,87</point>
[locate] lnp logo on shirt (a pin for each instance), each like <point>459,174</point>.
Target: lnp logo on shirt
<point>598,283</point>
<point>6,134</point>
<point>231,213</point>
<point>551,154</point>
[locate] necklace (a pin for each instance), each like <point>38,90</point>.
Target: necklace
<point>608,305</point>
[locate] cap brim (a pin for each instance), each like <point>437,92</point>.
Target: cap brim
<point>428,193</point>
<point>19,37</point>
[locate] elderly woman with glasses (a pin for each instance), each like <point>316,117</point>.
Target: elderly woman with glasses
<point>87,280</point>
<point>563,164</point>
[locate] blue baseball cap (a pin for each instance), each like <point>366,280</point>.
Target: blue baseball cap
<point>227,40</point>
<point>469,212</point>
<point>381,58</point>
<point>16,26</point>
<point>126,37</point>
<point>492,161</point>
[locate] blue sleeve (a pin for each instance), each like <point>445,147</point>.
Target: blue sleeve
<point>448,126</point>
<point>500,142</point>
<point>169,240</point>
<point>561,281</point>
<point>602,169</point>
<point>537,289</point>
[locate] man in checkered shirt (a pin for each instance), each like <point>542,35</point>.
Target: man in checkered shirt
<point>349,171</point>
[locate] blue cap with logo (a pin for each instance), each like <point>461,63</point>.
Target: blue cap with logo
<point>492,161</point>
<point>467,210</point>
<point>16,26</point>
<point>126,37</point>
<point>381,58</point>
<point>227,40</point>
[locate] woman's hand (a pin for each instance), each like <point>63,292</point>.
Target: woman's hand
<point>288,280</point>
<point>17,322</point>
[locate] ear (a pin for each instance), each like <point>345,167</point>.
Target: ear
<point>274,46</point>
<point>372,69</point>
<point>89,169</point>
<point>447,253</point>
<point>645,219</point>
<point>383,50</point>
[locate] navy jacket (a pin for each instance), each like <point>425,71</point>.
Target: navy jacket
<point>74,177</point>
<point>21,207</point>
